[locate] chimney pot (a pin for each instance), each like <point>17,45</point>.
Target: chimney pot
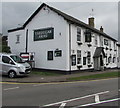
<point>101,29</point>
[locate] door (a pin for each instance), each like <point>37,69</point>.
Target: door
<point>101,63</point>
<point>96,63</point>
<point>101,60</point>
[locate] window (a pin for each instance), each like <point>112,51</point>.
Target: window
<point>6,59</point>
<point>109,59</point>
<point>79,34</point>
<point>106,59</point>
<point>78,57</point>
<point>114,46</point>
<point>88,36</point>
<point>73,60</point>
<point>58,53</point>
<point>17,39</point>
<point>84,60</point>
<point>101,40</point>
<point>17,59</point>
<point>89,57</point>
<point>50,55</point>
<point>96,41</point>
<point>105,42</point>
<point>114,59</point>
<point>109,44</point>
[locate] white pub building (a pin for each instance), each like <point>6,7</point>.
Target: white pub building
<point>61,42</point>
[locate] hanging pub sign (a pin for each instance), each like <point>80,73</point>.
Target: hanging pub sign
<point>43,34</point>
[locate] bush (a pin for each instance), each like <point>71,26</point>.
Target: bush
<point>6,49</point>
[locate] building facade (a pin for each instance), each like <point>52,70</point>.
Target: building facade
<point>118,55</point>
<point>61,42</point>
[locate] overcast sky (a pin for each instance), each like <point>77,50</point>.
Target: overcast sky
<point>105,14</point>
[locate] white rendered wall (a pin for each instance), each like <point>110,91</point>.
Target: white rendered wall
<point>12,39</point>
<point>47,19</point>
<point>84,48</point>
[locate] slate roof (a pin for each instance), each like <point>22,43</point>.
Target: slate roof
<point>98,52</point>
<point>66,17</point>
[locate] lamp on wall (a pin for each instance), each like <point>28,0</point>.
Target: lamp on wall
<point>46,8</point>
<point>60,33</point>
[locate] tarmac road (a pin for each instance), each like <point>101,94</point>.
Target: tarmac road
<point>60,95</point>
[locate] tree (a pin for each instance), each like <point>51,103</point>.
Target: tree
<point>4,45</point>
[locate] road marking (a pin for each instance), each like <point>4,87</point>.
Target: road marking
<point>62,105</point>
<point>58,82</point>
<point>106,101</point>
<point>97,99</point>
<point>75,99</point>
<point>38,85</point>
<point>119,90</point>
<point>11,88</point>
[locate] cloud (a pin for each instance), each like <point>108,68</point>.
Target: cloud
<point>14,13</point>
<point>105,13</point>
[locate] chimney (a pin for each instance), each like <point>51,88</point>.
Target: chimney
<point>91,22</point>
<point>101,29</point>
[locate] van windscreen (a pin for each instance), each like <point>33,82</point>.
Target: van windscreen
<point>17,59</point>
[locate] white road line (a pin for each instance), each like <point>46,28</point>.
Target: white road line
<point>75,99</point>
<point>119,90</point>
<point>97,99</point>
<point>62,105</point>
<point>38,85</point>
<point>11,88</point>
<point>106,101</point>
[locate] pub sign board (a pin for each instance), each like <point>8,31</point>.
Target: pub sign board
<point>43,34</point>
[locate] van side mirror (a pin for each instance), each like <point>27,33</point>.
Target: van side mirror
<point>11,62</point>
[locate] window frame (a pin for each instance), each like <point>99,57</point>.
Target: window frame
<point>106,42</point>
<point>88,57</point>
<point>84,60</point>
<point>73,60</point>
<point>17,38</point>
<point>88,35</point>
<point>79,57</point>
<point>96,41</point>
<point>78,34</point>
<point>48,55</point>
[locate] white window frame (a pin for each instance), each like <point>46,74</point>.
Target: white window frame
<point>17,39</point>
<point>88,58</point>
<point>79,60</point>
<point>96,41</point>
<point>78,34</point>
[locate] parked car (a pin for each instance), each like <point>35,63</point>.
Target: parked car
<point>13,65</point>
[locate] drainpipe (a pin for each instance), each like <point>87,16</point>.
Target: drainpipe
<point>26,49</point>
<point>70,48</point>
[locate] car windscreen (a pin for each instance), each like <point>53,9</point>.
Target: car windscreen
<point>17,59</point>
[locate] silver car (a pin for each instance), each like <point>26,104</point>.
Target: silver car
<point>13,65</point>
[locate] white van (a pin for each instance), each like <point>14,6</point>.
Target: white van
<point>13,65</point>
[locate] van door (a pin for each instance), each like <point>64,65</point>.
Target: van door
<point>6,64</point>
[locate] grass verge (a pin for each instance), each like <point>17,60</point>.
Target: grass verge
<point>95,76</point>
<point>45,73</point>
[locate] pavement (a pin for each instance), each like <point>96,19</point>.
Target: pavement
<point>34,78</point>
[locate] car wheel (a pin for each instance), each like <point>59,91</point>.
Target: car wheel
<point>11,74</point>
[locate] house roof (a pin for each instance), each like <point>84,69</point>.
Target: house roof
<point>98,52</point>
<point>66,17</point>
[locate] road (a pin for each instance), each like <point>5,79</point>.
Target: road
<point>59,95</point>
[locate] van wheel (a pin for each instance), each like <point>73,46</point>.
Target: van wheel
<point>11,74</point>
